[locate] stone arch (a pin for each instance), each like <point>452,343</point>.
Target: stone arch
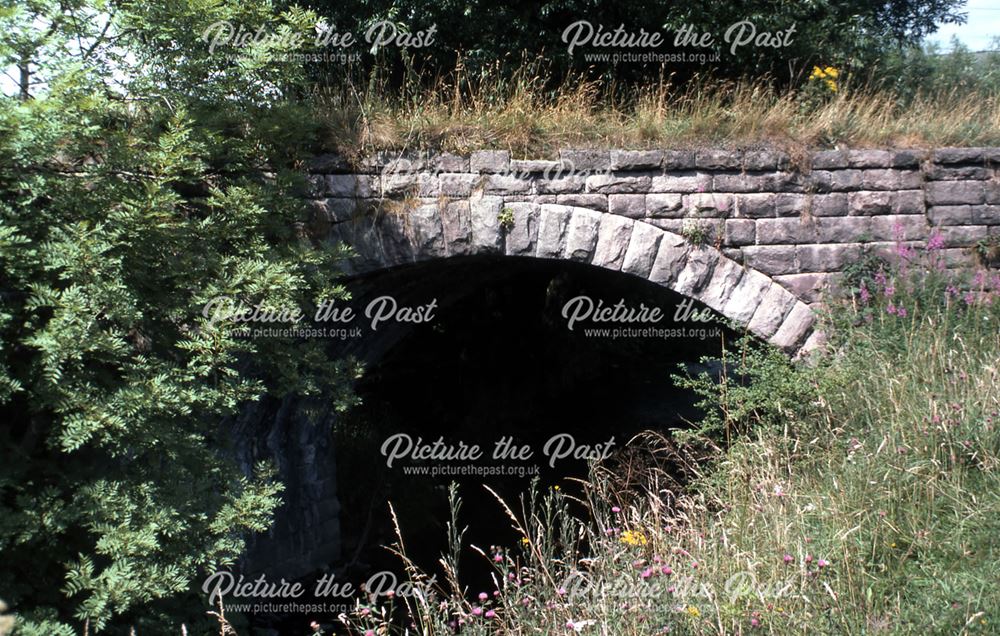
<point>392,237</point>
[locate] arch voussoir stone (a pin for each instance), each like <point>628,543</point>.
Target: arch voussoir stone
<point>553,231</point>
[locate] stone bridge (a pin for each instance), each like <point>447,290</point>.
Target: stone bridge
<point>756,235</point>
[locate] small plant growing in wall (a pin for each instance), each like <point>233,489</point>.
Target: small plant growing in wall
<point>695,233</point>
<point>988,251</point>
<point>506,219</point>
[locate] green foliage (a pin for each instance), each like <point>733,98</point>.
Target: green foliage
<point>140,177</point>
<point>918,70</point>
<point>696,233</point>
<point>506,219</point>
<point>846,34</point>
<point>757,388</point>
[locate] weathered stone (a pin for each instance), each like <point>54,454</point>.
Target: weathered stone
<point>612,241</point>
<point>683,182</point>
<point>588,160</point>
<point>890,179</point>
<point>835,180</point>
<point>963,235</point>
<point>717,159</point>
<point>426,235</point>
<point>806,287</point>
<point>395,237</point>
<point>829,160</point>
<point>457,184</point>
<point>907,158</point>
<point>636,159</point>
<point>664,205</point>
<point>740,232</point>
<point>725,278</point>
<point>870,203</point>
<point>522,168</point>
<point>740,183</point>
<point>678,159</point>
<point>505,184</point>
<point>959,155</point>
<point>608,184</point>
<point>771,311</point>
<point>632,206</point>
<point>447,162</point>
<point>993,192</point>
<point>486,235</point>
<point>336,210</point>
<point>786,204</point>
<point>771,259</point>
<point>950,215</point>
<point>698,268</point>
<point>899,228</point>
<point>401,164</point>
<point>581,234</point>
<point>814,344</point>
<point>521,238</point>
<point>955,192</point>
<point>670,259</point>
<point>827,258</point>
<point>562,185</point>
<point>708,204</point>
<point>908,202</point>
<point>420,184</point>
<point>795,328</point>
<point>843,229</point>
<point>597,202</point>
<point>755,206</point>
<point>669,225</point>
<point>490,161</point>
<point>642,248</point>
<point>746,297</point>
<point>868,158</point>
<point>552,230</point>
<point>349,185</point>
<point>833,204</point>
<point>764,160</point>
<point>957,173</point>
<point>986,215</point>
<point>785,231</point>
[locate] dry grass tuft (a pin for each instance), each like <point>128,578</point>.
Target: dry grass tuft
<point>520,112</point>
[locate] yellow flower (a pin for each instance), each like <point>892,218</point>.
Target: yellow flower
<point>692,611</point>
<point>556,488</point>
<point>631,537</point>
<point>828,75</point>
<point>524,541</point>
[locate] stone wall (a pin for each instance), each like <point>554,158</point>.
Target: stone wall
<point>796,222</point>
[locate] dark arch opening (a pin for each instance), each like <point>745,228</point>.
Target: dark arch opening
<point>497,361</point>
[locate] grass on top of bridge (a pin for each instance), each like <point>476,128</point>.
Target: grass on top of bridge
<point>520,112</point>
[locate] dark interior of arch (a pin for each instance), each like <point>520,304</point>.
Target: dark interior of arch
<point>497,360</point>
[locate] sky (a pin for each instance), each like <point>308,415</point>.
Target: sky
<point>982,25</point>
